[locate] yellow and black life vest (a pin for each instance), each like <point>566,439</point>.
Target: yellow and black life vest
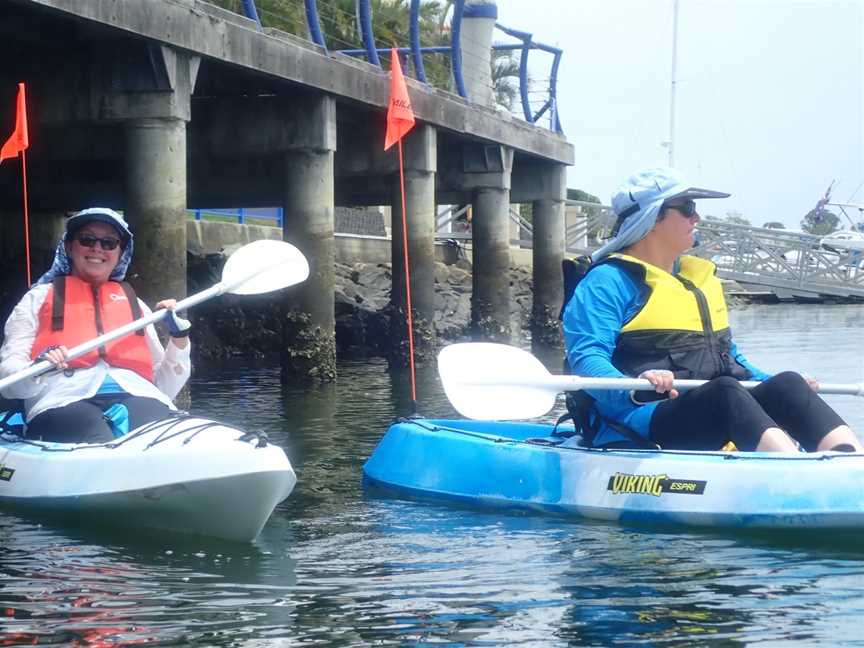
<point>683,325</point>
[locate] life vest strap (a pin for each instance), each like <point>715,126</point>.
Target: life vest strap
<point>133,303</point>
<point>58,304</point>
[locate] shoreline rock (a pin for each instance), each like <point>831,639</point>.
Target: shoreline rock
<point>250,326</point>
<point>234,326</point>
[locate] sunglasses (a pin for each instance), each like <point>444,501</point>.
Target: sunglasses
<point>107,243</point>
<point>687,208</point>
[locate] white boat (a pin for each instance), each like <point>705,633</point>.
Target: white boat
<point>843,239</point>
<point>186,474</point>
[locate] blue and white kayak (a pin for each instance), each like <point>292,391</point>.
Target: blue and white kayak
<point>520,465</point>
<point>185,474</point>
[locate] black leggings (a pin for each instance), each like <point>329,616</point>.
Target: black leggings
<point>708,417</point>
<point>84,422</point>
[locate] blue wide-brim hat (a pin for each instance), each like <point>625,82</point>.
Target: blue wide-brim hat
<point>103,215</point>
<point>639,200</point>
<point>62,265</point>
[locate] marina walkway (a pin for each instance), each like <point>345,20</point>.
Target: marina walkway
<point>790,265</point>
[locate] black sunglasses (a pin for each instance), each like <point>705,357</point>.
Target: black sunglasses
<point>107,243</point>
<point>687,208</point>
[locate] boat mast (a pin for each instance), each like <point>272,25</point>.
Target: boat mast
<point>672,85</point>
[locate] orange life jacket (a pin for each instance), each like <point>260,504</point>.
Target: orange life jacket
<point>75,312</point>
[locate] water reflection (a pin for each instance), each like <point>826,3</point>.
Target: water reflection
<point>98,589</point>
<point>336,566</point>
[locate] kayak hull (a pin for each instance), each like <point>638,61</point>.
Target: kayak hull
<point>190,476</point>
<point>510,465</point>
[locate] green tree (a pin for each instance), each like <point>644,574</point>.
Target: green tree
<point>774,225</point>
<point>820,221</point>
<point>390,24</point>
<point>737,218</point>
<point>583,196</point>
<point>280,14</point>
<point>505,77</point>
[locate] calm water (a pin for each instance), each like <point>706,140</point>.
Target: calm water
<point>337,567</point>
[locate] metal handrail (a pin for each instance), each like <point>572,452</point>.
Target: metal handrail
<point>456,47</point>
<point>364,14</point>
<point>414,37</point>
<point>251,12</point>
<point>527,45</point>
<point>240,215</point>
<point>788,262</point>
<point>371,52</point>
<point>313,23</point>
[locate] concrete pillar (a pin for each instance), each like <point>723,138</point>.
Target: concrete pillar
<point>548,251</point>
<point>475,45</point>
<point>309,324</point>
<point>420,153</point>
<point>155,164</point>
<point>490,301</point>
<point>149,90</point>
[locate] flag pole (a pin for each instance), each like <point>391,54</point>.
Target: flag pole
<point>18,143</point>
<point>410,317</point>
<point>400,120</point>
<point>26,216</point>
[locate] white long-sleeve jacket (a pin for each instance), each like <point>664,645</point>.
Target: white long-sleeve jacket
<point>171,366</point>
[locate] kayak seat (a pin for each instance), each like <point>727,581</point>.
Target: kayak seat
<point>567,434</point>
<point>12,417</point>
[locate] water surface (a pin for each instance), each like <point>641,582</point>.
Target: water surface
<point>336,566</point>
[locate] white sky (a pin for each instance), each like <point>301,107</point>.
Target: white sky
<point>769,105</point>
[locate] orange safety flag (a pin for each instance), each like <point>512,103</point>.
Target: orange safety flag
<point>400,115</point>
<point>19,140</point>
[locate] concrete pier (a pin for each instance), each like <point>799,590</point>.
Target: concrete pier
<point>549,239</point>
<point>490,303</point>
<point>309,324</point>
<point>155,164</point>
<point>156,106</point>
<point>150,93</point>
<point>420,158</point>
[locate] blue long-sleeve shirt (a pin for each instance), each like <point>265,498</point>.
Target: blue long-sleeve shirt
<point>603,302</point>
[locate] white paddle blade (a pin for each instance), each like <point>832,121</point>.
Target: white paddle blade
<point>264,266</point>
<point>494,382</point>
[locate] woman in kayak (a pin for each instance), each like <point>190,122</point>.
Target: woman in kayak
<point>645,310</point>
<point>119,386</point>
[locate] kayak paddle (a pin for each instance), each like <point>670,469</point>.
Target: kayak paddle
<point>490,382</point>
<point>259,267</point>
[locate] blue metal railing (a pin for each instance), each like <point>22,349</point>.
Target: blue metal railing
<point>371,52</point>
<point>250,11</point>
<point>242,215</point>
<point>313,23</point>
<point>414,38</point>
<point>528,44</point>
<point>456,47</point>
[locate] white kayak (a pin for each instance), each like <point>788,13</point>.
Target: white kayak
<point>186,474</point>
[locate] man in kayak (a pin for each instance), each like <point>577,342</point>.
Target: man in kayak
<point>645,310</point>
<point>120,386</point>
